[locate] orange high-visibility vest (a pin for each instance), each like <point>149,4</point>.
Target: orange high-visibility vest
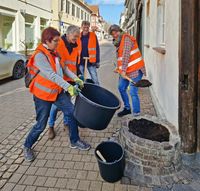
<point>41,86</point>
<point>92,47</point>
<point>136,61</point>
<point>68,60</point>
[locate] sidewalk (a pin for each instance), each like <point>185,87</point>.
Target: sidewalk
<point>58,167</point>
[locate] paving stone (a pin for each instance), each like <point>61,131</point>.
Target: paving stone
<point>72,184</point>
<point>19,160</point>
<point>60,173</point>
<point>121,187</point>
<point>7,175</point>
<point>2,182</point>
<point>61,183</point>
<point>92,175</point>
<point>78,165</point>
<point>51,172</point>
<point>22,169</point>
<point>51,182</point>
<point>82,174</point>
<point>30,179</point>
<point>108,186</point>
<point>19,188</point>
<point>30,188</point>
<point>40,181</point>
<point>8,187</point>
<point>71,173</point>
<point>84,185</point>
<point>13,168</point>
<point>15,178</point>
<point>41,171</point>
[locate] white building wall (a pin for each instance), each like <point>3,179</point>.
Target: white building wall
<point>18,9</point>
<point>162,69</point>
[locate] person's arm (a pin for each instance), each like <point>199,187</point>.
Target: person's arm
<point>128,44</point>
<point>98,51</point>
<point>69,73</point>
<point>43,65</point>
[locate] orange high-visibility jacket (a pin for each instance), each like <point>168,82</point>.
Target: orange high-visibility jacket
<point>136,61</point>
<point>42,87</point>
<point>92,47</point>
<point>69,60</point>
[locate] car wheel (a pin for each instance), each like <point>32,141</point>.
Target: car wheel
<point>18,70</point>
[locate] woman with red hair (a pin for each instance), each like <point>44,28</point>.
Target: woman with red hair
<point>48,87</point>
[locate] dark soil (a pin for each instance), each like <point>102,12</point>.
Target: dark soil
<point>148,130</point>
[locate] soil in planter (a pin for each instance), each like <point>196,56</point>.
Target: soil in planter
<point>148,130</point>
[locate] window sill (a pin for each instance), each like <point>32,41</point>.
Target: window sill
<point>160,50</point>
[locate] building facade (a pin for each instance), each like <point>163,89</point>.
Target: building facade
<point>69,12</point>
<point>21,23</point>
<point>97,22</point>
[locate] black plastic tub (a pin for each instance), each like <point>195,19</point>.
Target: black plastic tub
<point>95,107</point>
<point>113,169</point>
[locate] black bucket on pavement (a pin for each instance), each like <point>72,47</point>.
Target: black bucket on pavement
<point>95,107</point>
<point>113,169</point>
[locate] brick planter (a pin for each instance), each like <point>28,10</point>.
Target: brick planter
<point>146,160</point>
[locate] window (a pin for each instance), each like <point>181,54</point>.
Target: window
<point>85,16</point>
<point>78,12</point>
<point>147,31</point>
<point>62,5</point>
<point>73,10</point>
<point>82,13</point>
<point>67,7</point>
<point>161,23</point>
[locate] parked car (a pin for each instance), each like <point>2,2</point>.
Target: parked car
<point>12,64</point>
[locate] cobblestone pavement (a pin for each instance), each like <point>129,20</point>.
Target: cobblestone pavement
<point>58,167</point>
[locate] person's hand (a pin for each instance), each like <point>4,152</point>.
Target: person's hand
<point>73,91</point>
<point>81,77</point>
<point>123,74</point>
<point>116,70</point>
<point>79,82</point>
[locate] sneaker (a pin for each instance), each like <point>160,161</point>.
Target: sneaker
<point>81,145</point>
<point>136,114</point>
<point>28,154</point>
<point>51,133</point>
<point>124,112</point>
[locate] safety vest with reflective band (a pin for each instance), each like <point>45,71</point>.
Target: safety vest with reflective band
<point>41,86</point>
<point>136,61</point>
<point>92,47</point>
<point>68,60</point>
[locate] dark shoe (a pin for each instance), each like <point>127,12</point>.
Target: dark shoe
<point>81,145</point>
<point>51,133</point>
<point>28,154</point>
<point>124,112</point>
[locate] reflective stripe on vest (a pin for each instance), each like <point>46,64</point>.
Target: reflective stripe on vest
<point>45,89</point>
<point>133,62</point>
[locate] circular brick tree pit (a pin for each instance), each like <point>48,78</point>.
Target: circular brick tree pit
<point>149,160</point>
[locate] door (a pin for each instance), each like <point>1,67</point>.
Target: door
<point>189,77</point>
<point>4,64</point>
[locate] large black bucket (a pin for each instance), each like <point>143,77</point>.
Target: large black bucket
<point>95,107</point>
<point>113,169</point>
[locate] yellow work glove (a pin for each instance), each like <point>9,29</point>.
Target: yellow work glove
<point>79,82</point>
<point>73,91</point>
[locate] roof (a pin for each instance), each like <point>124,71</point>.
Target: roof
<point>94,9</point>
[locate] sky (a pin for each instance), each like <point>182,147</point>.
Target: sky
<point>109,9</point>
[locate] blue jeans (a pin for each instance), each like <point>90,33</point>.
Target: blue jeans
<point>43,108</point>
<point>53,115</point>
<point>92,70</point>
<point>123,85</point>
